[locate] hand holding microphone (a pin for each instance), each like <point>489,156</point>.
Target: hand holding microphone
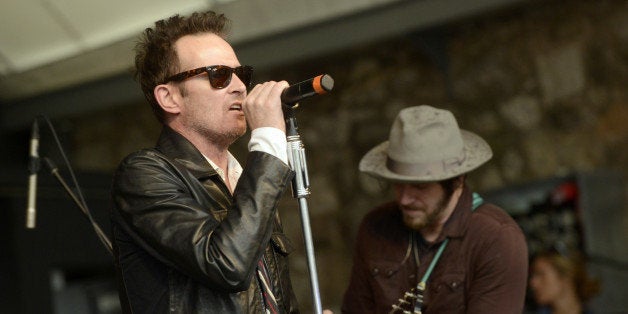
<point>260,105</point>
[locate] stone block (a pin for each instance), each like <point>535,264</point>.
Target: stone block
<point>561,72</point>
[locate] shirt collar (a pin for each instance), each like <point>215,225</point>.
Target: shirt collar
<point>234,170</point>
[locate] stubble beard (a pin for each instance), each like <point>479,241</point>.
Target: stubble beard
<point>431,218</point>
<point>223,138</point>
<point>226,138</point>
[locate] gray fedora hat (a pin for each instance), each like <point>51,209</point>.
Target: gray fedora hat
<point>425,145</point>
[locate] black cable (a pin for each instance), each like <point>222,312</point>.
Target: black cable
<point>67,162</point>
<point>80,200</point>
<point>101,235</point>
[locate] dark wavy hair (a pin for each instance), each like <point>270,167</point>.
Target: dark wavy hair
<point>451,184</point>
<point>155,55</point>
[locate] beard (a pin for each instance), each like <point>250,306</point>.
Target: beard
<point>225,138</point>
<point>222,135</point>
<point>431,218</point>
<point>210,126</point>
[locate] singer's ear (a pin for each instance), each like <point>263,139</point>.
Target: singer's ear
<point>168,97</point>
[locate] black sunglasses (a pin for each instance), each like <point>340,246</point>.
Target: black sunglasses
<point>219,75</point>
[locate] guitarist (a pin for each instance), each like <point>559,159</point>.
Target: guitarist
<point>437,248</point>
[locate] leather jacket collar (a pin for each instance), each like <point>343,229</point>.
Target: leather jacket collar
<point>180,149</point>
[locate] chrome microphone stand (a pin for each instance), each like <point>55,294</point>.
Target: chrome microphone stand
<point>300,190</point>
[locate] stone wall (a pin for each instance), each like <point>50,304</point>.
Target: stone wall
<point>544,84</point>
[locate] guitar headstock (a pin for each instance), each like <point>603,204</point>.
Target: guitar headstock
<point>411,302</point>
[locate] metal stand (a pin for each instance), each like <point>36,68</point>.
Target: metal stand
<point>300,190</point>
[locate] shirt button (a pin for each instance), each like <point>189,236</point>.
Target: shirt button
<point>375,271</point>
<point>390,273</point>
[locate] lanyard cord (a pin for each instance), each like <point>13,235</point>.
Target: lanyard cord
<point>477,201</point>
<point>434,261</point>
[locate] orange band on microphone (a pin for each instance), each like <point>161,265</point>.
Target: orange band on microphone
<point>318,87</point>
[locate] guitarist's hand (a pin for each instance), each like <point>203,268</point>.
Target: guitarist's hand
<point>327,312</point>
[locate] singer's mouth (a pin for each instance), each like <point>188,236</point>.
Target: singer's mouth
<point>236,107</point>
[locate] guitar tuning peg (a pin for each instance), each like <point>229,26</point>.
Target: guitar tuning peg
<point>395,308</point>
<point>409,296</point>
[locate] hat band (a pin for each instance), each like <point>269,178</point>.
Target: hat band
<point>423,169</point>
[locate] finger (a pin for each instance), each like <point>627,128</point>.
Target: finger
<point>255,92</point>
<point>278,88</point>
<point>259,94</point>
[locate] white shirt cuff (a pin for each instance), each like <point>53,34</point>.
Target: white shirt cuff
<point>270,140</point>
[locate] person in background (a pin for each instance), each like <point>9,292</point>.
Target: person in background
<point>560,283</point>
<point>193,230</point>
<point>438,247</point>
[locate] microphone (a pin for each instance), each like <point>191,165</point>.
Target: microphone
<point>308,88</point>
<point>33,168</point>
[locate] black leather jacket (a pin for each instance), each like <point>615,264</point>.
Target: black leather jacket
<point>183,244</point>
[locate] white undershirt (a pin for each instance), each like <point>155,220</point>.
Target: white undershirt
<point>267,139</point>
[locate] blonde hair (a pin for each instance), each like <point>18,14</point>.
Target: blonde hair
<point>573,266</point>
